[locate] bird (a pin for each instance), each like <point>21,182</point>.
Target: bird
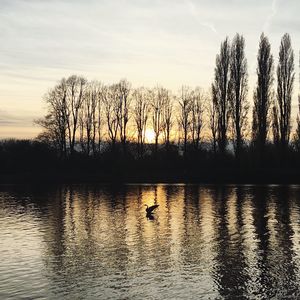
<point>150,209</point>
<point>150,217</point>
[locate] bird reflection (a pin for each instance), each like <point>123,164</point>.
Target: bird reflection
<point>149,211</point>
<point>150,216</point>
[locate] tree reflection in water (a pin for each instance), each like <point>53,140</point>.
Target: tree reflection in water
<point>204,241</point>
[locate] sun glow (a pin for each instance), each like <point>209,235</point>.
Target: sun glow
<point>149,135</point>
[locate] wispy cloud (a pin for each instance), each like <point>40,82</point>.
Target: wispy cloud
<point>268,22</point>
<point>194,12</point>
<point>16,120</point>
<point>210,26</point>
<point>170,42</point>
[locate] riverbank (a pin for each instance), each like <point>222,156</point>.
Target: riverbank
<point>217,175</point>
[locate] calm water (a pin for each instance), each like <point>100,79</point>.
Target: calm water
<point>95,242</point>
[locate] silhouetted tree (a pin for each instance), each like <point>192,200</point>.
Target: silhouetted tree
<point>141,108</point>
<point>263,93</point>
<point>100,118</point>
<point>221,93</point>
<point>78,110</point>
<point>213,123</point>
<point>124,103</point>
<point>185,109</point>
<point>167,112</point>
<point>53,134</point>
<point>297,132</point>
<point>275,125</point>
<point>285,81</point>
<point>111,102</point>
<point>239,86</point>
<point>157,100</point>
<point>75,89</point>
<point>197,111</point>
<point>55,123</point>
<point>88,119</point>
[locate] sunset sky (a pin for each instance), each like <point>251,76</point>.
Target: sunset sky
<point>168,42</point>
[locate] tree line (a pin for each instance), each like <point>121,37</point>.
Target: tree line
<point>91,117</point>
<point>83,116</point>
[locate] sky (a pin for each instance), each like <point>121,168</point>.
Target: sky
<point>167,42</point>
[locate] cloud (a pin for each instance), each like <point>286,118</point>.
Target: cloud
<point>170,42</point>
<point>16,120</point>
<point>210,26</point>
<point>268,22</point>
<point>194,12</point>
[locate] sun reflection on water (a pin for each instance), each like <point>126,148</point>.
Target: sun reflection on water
<point>221,241</point>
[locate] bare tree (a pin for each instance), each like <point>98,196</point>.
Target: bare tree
<point>110,99</point>
<point>263,93</point>
<point>52,134</point>
<point>285,81</point>
<point>75,89</point>
<point>221,93</point>
<point>55,123</point>
<point>157,100</point>
<point>96,117</point>
<point>239,87</point>
<point>64,102</point>
<point>88,118</point>
<point>167,112</point>
<point>141,108</point>
<point>197,111</point>
<point>185,109</point>
<point>99,115</point>
<point>124,103</point>
<point>81,126</point>
<point>213,123</point>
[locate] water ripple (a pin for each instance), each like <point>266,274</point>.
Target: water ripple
<point>95,242</point>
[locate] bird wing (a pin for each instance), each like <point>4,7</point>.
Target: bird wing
<point>151,208</point>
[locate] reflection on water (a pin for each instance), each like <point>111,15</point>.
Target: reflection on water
<point>208,242</point>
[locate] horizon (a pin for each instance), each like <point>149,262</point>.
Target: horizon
<point>166,43</point>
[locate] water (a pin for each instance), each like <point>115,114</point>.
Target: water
<point>95,242</point>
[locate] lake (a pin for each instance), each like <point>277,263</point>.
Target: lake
<point>203,242</point>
